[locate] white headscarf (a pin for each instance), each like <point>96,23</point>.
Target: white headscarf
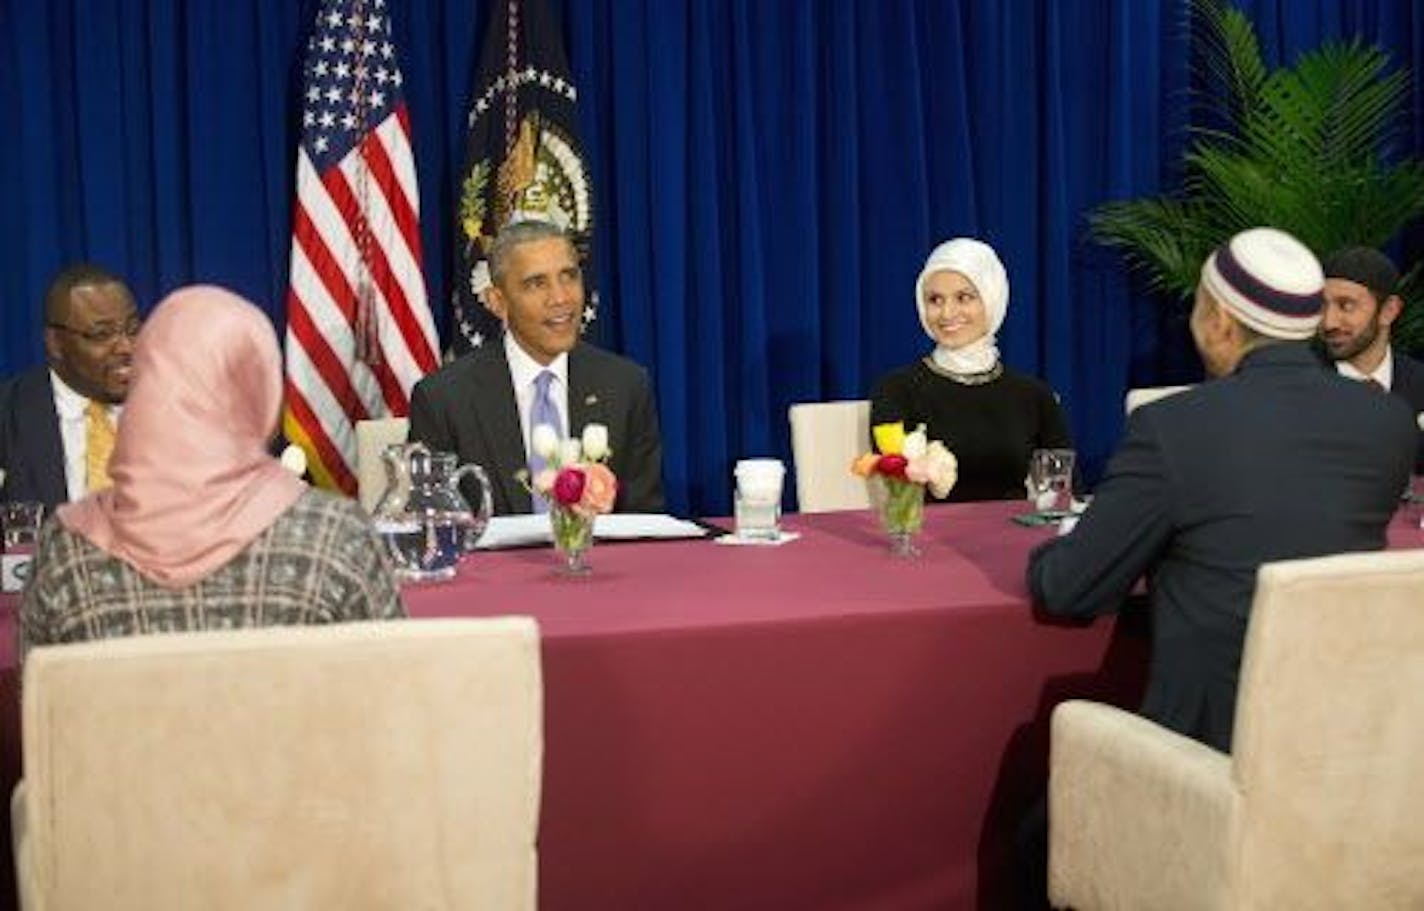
<point>976,261</point>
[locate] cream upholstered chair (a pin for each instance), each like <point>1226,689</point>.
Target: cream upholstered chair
<point>825,438</point>
<point>1144,395</point>
<point>357,766</point>
<point>1321,802</point>
<point>372,438</point>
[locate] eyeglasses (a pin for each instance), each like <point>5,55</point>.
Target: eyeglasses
<point>103,335</point>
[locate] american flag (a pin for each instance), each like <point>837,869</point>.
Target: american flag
<point>359,329</point>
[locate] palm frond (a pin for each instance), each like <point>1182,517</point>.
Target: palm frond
<point>1162,237</point>
<point>1408,330</point>
<point>1304,148</point>
<point>1231,60</point>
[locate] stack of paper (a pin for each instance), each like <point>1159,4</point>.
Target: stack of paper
<point>524,531</point>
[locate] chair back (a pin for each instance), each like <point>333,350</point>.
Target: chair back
<point>1144,395</point>
<point>825,438</point>
<point>355,766</point>
<point>1328,749</point>
<point>372,438</point>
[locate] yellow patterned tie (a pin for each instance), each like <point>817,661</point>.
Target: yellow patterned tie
<point>98,446</point>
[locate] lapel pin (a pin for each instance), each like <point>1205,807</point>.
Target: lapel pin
<point>590,399</point>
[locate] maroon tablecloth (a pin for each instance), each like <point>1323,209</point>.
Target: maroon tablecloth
<point>815,725</point>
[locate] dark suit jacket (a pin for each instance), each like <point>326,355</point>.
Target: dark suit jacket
<point>31,449</point>
<point>1408,384</point>
<point>1279,460</point>
<point>468,408</point>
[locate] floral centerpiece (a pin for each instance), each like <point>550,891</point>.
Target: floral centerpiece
<point>906,464</point>
<point>577,485</point>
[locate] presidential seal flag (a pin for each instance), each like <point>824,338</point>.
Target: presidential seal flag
<point>522,157</point>
<point>359,328</point>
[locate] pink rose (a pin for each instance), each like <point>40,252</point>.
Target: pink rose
<point>544,480</point>
<point>569,486</point>
<point>600,489</point>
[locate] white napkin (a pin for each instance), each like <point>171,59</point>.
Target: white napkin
<point>786,537</point>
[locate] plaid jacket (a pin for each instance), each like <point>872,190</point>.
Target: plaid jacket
<point>318,563</point>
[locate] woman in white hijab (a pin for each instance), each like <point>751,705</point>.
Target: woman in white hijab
<point>990,417</point>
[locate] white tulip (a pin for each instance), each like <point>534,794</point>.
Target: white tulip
<point>569,452</point>
<point>545,441</point>
<point>915,444</point>
<point>943,469</point>
<point>294,459</point>
<point>595,441</point>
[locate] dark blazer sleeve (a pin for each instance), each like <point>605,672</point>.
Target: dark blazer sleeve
<point>7,398</point>
<point>1408,384</point>
<point>428,424</point>
<point>1091,570</point>
<point>31,449</point>
<point>641,479</point>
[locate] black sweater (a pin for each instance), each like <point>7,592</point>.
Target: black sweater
<point>991,428</point>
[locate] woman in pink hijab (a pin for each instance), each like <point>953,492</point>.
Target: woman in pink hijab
<point>202,528</point>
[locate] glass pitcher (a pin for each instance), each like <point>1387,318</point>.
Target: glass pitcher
<point>424,518</point>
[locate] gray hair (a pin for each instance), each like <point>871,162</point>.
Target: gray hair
<point>521,232</point>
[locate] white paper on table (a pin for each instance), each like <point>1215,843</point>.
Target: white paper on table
<point>533,529</point>
<point>639,525</point>
<point>733,540</point>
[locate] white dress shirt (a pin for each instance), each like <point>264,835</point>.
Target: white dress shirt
<point>523,370</point>
<point>74,433</point>
<point>1383,374</point>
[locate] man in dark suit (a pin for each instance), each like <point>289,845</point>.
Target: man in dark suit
<point>485,405</point>
<point>1276,459</point>
<point>1360,307</point>
<point>57,421</point>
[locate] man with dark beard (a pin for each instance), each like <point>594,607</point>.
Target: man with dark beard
<point>1360,307</point>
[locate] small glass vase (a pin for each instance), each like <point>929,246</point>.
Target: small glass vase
<point>573,536</point>
<point>902,513</point>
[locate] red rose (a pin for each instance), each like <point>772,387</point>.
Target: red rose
<point>568,486</point>
<point>892,465</point>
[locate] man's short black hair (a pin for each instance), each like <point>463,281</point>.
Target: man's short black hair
<point>75,275</point>
<point>1364,266</point>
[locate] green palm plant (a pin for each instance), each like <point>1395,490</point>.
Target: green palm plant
<point>1301,148</point>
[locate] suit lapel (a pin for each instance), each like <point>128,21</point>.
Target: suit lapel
<point>498,418</point>
<point>588,399</point>
<point>42,440</point>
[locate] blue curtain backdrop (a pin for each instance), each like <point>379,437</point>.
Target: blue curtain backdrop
<point>769,175</point>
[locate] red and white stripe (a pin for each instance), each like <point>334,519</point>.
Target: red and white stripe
<point>328,387</point>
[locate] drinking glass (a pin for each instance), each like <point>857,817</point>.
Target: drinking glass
<point>1050,480</point>
<point>21,520</point>
<point>1412,503</point>
<point>19,530</point>
<point>757,502</point>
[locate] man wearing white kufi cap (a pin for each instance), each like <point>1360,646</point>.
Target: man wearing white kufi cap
<point>1274,459</point>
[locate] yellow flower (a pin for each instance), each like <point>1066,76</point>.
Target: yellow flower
<point>890,438</point>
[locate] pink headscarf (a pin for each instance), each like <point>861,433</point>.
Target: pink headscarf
<point>193,483</point>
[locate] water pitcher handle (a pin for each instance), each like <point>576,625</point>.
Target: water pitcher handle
<point>482,513</point>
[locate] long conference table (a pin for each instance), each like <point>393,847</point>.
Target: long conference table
<point>816,725</point>
<point>810,726</point>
